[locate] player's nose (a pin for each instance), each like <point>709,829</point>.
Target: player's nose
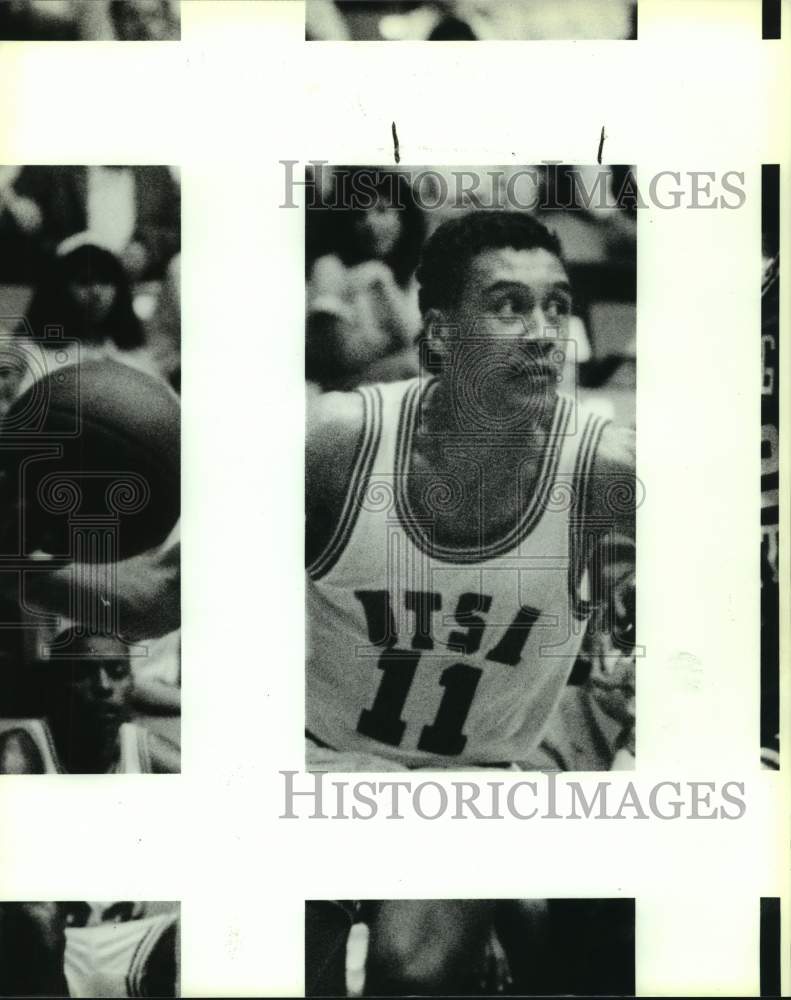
<point>102,682</point>
<point>536,326</point>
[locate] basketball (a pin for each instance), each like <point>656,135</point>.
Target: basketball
<point>90,457</point>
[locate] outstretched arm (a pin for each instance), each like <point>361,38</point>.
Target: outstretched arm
<point>334,426</point>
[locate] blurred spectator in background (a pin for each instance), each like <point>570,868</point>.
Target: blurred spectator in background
<point>20,220</point>
<point>86,294</point>
<point>362,313</point>
<point>145,20</point>
<point>133,210</point>
<point>89,20</point>
<point>471,20</point>
<point>157,676</point>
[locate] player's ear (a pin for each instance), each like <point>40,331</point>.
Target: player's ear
<point>438,331</point>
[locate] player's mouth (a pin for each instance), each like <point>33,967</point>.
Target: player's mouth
<point>533,369</point>
<point>109,717</point>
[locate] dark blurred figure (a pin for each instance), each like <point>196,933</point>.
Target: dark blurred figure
<point>89,20</point>
<point>362,315</point>
<point>327,926</point>
<point>135,211</point>
<point>144,20</point>
<point>32,950</point>
<point>20,220</point>
<point>34,20</point>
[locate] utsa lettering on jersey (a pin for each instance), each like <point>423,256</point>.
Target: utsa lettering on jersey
<point>458,524</point>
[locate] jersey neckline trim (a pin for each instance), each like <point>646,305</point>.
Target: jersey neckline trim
<point>407,428</point>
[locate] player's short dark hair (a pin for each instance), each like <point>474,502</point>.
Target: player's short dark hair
<point>446,255</point>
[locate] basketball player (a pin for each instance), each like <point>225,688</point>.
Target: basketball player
<point>458,524</point>
<point>87,723</point>
<point>458,531</point>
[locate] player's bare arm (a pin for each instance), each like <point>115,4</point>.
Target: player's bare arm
<point>334,430</point>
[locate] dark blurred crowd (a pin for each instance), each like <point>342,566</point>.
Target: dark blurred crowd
<point>469,20</point>
<point>363,321</point>
<point>94,251</point>
<point>89,20</point>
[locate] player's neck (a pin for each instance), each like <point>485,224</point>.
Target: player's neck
<point>88,754</point>
<point>484,417</point>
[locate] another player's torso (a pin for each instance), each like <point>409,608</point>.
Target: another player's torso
<point>444,622</point>
<point>133,753</point>
<point>109,960</point>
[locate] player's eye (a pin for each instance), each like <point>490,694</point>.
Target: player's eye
<point>511,306</point>
<point>557,306</point>
<point>77,914</point>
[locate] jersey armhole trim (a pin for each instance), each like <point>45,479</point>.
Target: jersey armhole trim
<point>144,750</point>
<point>358,482</point>
<point>137,967</point>
<point>579,553</point>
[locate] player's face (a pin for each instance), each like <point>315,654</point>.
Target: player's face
<point>379,229</point>
<point>101,687</point>
<point>513,315</point>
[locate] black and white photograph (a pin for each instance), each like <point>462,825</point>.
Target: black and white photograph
<point>89,949</point>
<point>469,947</point>
<point>771,947</point>
<point>90,470</point>
<point>469,20</point>
<point>409,397</point>
<point>90,20</point>
<point>770,466</point>
<point>470,483</point>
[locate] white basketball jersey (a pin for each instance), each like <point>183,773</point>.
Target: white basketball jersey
<point>109,960</point>
<point>434,656</point>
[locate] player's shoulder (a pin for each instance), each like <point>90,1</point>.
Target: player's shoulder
<point>336,422</point>
<point>612,485</point>
<point>334,425</point>
<point>343,434</point>
<point>616,451</point>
